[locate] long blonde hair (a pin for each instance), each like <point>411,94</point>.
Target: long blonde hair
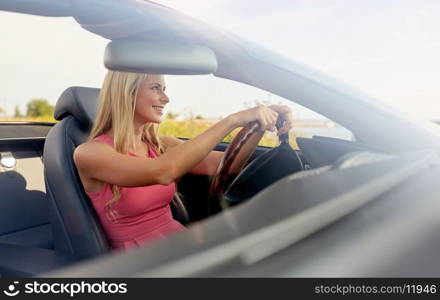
<point>117,102</point>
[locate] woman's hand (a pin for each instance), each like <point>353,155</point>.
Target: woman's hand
<point>265,116</point>
<point>286,113</point>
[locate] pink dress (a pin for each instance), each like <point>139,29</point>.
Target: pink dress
<point>143,213</point>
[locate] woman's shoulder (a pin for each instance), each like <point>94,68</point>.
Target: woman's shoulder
<point>91,150</point>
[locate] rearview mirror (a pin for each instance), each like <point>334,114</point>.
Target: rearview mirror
<point>159,57</point>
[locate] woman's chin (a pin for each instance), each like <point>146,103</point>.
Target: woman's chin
<point>155,121</point>
<point>156,118</point>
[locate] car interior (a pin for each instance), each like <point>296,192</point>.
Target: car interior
<point>48,224</point>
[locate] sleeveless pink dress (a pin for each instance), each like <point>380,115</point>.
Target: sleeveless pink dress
<point>143,213</point>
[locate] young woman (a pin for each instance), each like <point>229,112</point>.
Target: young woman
<point>129,171</point>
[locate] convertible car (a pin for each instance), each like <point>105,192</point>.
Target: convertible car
<point>367,206</point>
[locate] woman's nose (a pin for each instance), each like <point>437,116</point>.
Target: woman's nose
<point>164,98</point>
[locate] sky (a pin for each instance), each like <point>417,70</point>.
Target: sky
<point>388,49</point>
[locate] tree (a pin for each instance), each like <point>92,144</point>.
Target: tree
<point>2,111</point>
<point>172,116</point>
<point>38,108</point>
<point>17,112</point>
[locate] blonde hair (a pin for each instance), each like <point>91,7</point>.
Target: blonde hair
<point>117,102</point>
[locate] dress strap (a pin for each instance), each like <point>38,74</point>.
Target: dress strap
<point>104,138</point>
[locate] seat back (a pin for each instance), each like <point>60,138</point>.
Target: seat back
<point>76,227</point>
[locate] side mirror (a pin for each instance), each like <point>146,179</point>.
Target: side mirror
<point>159,57</point>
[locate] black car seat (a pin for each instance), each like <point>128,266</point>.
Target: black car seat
<point>76,228</point>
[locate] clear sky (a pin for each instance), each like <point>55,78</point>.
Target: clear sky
<point>389,49</point>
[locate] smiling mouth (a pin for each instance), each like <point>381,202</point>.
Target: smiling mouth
<point>158,108</point>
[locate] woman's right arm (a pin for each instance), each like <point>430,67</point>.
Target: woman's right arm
<point>99,161</point>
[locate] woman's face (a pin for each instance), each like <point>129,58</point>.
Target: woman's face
<point>151,100</point>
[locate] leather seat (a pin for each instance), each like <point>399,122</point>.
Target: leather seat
<point>76,227</point>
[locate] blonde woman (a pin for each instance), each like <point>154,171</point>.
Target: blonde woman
<point>129,171</point>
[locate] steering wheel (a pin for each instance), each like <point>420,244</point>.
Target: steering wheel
<point>261,172</point>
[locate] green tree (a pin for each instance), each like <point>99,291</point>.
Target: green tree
<point>2,111</point>
<point>17,112</point>
<point>39,108</point>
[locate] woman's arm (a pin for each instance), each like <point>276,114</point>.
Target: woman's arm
<point>209,164</point>
<point>98,161</point>
<point>206,167</point>
<point>101,162</point>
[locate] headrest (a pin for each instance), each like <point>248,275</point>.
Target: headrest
<point>80,102</point>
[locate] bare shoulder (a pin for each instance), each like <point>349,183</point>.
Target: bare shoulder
<point>170,141</point>
<point>88,152</point>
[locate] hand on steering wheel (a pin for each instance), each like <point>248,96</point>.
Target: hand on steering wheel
<point>283,124</point>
